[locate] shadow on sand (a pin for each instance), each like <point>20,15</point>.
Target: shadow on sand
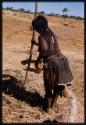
<point>24,62</point>
<point>10,86</point>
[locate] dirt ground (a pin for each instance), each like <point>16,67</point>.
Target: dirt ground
<point>27,104</point>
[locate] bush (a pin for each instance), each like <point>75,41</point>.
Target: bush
<point>65,24</point>
<point>65,16</point>
<point>79,18</point>
<point>42,13</point>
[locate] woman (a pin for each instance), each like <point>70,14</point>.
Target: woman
<point>56,71</point>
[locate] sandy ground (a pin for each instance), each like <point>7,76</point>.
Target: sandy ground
<point>28,104</point>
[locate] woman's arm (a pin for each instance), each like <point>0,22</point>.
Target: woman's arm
<point>37,61</point>
<point>42,50</point>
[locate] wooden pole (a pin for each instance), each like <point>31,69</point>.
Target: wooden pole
<point>30,56</point>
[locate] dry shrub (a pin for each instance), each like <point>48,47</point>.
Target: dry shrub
<point>65,24</point>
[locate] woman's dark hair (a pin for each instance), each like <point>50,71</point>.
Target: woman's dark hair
<point>40,23</point>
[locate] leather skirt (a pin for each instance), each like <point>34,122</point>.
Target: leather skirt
<point>58,71</point>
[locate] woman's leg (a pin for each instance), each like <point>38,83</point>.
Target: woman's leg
<point>57,91</point>
<point>48,90</point>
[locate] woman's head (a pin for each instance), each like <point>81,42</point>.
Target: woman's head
<point>40,24</point>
